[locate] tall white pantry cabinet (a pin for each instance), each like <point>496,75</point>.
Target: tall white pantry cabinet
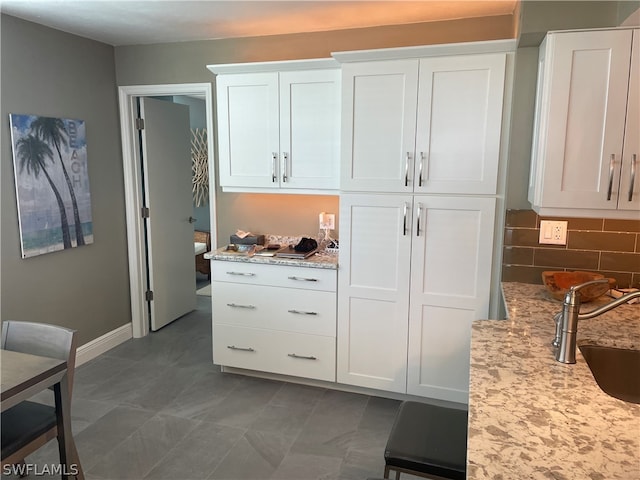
<point>421,145</point>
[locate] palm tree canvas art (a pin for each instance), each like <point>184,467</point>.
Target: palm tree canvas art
<point>52,183</point>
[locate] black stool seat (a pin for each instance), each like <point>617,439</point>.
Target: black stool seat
<point>428,440</point>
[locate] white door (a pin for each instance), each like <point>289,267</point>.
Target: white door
<point>248,139</point>
<point>373,290</point>
<point>452,248</point>
<point>629,196</point>
<point>167,173</point>
<point>587,78</point>
<point>309,129</point>
<point>379,102</point>
<point>459,122</point>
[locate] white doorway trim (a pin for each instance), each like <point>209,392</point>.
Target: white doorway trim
<point>133,186</point>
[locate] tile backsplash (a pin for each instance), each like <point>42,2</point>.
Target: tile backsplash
<point>610,247</point>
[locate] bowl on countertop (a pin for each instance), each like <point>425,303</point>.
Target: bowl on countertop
<point>558,284</point>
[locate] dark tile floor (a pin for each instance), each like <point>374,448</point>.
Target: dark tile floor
<point>157,408</point>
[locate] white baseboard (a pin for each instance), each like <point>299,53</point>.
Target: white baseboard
<point>106,342</point>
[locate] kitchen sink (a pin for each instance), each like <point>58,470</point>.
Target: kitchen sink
<point>616,370</point>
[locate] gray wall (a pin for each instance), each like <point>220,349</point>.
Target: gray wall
<point>50,73</point>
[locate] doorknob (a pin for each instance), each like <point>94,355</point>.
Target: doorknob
<point>192,220</point>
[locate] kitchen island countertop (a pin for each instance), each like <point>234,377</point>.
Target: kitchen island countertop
<point>533,417</point>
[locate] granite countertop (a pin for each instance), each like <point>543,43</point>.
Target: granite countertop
<point>533,417</point>
<point>317,260</point>
<point>321,259</point>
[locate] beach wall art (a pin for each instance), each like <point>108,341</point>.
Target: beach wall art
<point>52,183</point>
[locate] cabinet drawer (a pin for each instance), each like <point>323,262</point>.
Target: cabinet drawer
<point>274,275</point>
<point>296,354</point>
<point>302,311</point>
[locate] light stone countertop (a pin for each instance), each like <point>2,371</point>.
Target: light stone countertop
<point>321,259</point>
<point>318,260</point>
<point>535,418</point>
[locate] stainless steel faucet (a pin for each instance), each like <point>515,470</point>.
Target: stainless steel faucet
<point>567,319</point>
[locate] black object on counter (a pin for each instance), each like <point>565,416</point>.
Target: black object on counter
<point>306,245</point>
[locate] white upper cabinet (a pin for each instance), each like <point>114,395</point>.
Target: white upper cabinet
<point>278,129</point>
<point>248,130</point>
<point>429,125</point>
<point>585,146</point>
<point>310,129</point>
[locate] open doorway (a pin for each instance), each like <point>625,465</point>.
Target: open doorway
<point>133,187</point>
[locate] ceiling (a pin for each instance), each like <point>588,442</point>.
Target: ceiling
<point>132,22</point>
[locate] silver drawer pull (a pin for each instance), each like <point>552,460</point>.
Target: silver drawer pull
<point>235,305</point>
<point>633,176</point>
<point>304,357</point>
<point>274,162</point>
<point>612,162</point>
<point>242,273</point>
<point>406,169</point>
<point>422,155</point>
<point>302,312</point>
<point>242,349</point>
<point>303,279</point>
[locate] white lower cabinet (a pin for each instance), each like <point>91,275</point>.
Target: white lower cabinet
<point>414,274</point>
<point>275,318</point>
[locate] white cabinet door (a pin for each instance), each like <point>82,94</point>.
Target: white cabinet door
<point>373,286</point>
<point>310,129</point>
<point>248,130</point>
<point>459,124</point>
<point>583,119</point>
<point>378,125</point>
<point>450,286</point>
<point>629,196</point>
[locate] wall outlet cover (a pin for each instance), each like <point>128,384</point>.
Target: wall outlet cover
<point>553,232</point>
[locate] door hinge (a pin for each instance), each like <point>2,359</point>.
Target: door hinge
<point>148,295</point>
<point>144,211</point>
<point>139,123</point>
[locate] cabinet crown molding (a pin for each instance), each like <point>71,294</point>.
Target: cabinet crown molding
<point>421,51</point>
<point>279,66</point>
<point>604,29</point>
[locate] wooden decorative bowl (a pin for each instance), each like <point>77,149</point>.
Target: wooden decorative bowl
<point>559,283</point>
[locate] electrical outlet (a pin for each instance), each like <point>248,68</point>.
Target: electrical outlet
<point>327,221</point>
<point>553,232</point>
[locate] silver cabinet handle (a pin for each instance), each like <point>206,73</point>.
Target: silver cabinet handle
<point>274,162</point>
<point>242,349</point>
<point>406,169</point>
<point>422,155</point>
<point>612,161</point>
<point>418,214</point>
<point>285,160</point>
<point>236,305</point>
<point>302,312</point>
<point>304,357</point>
<point>633,175</point>
<point>303,279</point>
<point>404,222</point>
<point>248,274</point>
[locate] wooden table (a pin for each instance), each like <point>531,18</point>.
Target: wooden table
<point>24,375</point>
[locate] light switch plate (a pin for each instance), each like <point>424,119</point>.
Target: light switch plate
<point>553,232</point>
